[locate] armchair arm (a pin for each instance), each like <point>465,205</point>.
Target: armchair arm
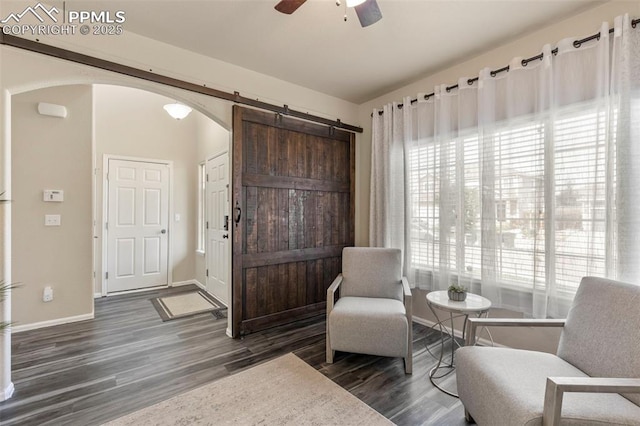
<point>408,309</point>
<point>474,323</point>
<point>556,386</point>
<point>331,292</point>
<point>406,290</point>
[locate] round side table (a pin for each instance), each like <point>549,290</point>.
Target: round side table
<point>472,305</point>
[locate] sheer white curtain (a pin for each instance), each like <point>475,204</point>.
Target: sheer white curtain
<point>518,184</point>
<point>625,91</point>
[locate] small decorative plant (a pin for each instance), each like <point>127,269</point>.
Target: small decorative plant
<point>457,292</point>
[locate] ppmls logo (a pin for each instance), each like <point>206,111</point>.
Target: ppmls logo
<point>16,17</point>
<point>85,22</point>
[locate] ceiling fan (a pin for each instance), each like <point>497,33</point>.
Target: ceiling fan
<point>367,10</point>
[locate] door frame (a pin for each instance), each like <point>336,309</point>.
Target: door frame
<point>105,215</point>
<point>207,254</point>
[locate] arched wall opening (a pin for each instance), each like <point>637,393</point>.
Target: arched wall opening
<point>38,73</point>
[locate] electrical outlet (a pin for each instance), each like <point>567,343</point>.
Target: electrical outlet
<point>51,220</point>
<point>47,294</point>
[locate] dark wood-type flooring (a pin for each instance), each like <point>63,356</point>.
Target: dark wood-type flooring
<point>125,359</point>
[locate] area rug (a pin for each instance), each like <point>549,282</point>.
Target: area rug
<point>284,391</point>
<point>185,304</point>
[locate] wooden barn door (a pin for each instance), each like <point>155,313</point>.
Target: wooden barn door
<point>293,208</point>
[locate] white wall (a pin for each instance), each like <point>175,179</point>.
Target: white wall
<point>581,25</point>
<point>132,123</point>
<point>52,153</point>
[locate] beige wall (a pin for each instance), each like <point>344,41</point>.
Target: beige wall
<point>581,25</point>
<point>51,153</point>
<point>132,123</point>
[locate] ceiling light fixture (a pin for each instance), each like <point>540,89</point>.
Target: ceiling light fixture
<point>354,3</point>
<point>177,111</point>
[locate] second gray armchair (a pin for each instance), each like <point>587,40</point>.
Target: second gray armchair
<point>373,313</point>
<point>594,379</point>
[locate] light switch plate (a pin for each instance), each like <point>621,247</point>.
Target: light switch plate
<point>56,195</point>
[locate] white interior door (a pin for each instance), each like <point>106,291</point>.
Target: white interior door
<point>218,227</point>
<point>137,224</point>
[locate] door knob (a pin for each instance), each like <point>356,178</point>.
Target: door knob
<point>164,231</point>
<point>225,236</point>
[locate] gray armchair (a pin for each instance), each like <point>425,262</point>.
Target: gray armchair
<point>593,380</point>
<point>373,314</point>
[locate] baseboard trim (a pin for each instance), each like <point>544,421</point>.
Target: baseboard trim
<point>50,323</point>
<point>187,282</point>
<point>138,290</point>
<point>458,333</point>
<point>8,392</point>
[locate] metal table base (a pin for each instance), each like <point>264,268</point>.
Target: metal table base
<point>444,333</point>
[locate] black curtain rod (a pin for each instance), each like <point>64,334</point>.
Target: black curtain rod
<point>92,61</point>
<point>524,63</point>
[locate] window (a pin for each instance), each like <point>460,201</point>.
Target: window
<point>513,191</point>
<point>202,218</point>
<point>580,184</point>
<point>501,210</point>
<point>513,207</point>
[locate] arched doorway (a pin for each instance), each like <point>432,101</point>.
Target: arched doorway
<point>50,73</point>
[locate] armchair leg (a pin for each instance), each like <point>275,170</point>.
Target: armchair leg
<point>408,365</point>
<point>467,417</point>
<point>330,354</point>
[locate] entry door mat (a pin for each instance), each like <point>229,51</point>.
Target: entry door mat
<point>186,304</point>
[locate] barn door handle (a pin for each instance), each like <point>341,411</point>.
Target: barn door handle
<point>238,212</point>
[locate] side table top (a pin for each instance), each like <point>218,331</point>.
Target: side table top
<point>473,302</point>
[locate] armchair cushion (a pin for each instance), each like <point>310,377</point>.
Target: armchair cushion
<point>372,272</point>
<point>602,333</point>
<point>516,379</point>
<point>370,326</point>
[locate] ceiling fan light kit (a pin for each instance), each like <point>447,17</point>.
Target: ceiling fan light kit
<point>368,11</point>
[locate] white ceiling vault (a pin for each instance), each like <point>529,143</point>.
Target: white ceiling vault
<point>317,49</point>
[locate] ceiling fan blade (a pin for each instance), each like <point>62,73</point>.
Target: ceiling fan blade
<point>368,13</point>
<point>289,6</point>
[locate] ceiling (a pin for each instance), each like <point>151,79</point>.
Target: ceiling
<point>317,49</point>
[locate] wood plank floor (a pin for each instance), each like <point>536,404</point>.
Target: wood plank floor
<point>125,359</point>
